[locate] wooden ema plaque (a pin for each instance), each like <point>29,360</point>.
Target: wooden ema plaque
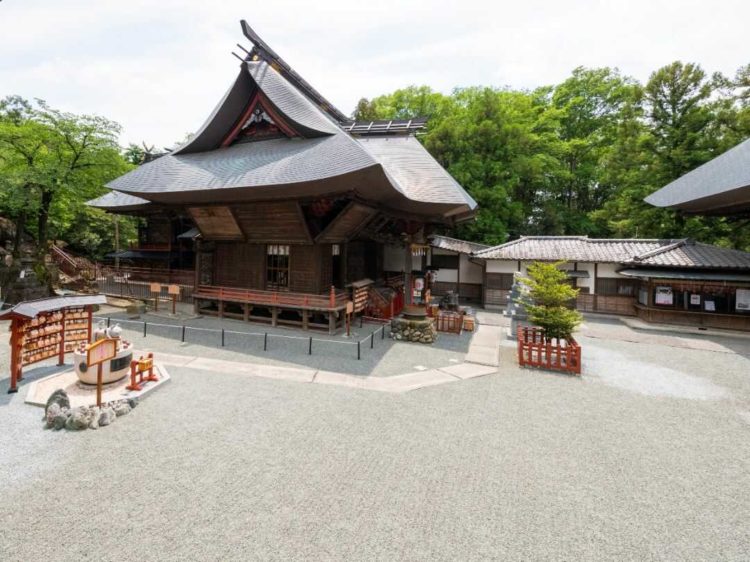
<point>96,354</point>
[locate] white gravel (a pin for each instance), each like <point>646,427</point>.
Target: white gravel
<point>522,465</point>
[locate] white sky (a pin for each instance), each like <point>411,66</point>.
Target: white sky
<point>158,67</point>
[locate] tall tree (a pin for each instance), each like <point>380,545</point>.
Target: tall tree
<point>52,162</point>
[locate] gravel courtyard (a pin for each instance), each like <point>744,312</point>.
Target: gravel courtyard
<point>645,457</point>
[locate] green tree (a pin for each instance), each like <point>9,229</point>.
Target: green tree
<point>547,298</point>
<point>51,163</point>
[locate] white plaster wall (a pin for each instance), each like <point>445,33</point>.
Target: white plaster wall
<point>502,266</point>
<point>583,282</point>
<point>609,270</point>
<point>470,272</point>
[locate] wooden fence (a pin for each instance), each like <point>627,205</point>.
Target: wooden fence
<point>536,350</point>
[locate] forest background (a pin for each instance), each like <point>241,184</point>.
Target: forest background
<point>573,158</point>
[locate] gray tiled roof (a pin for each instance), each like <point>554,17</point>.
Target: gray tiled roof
<point>290,101</point>
<point>571,248</point>
<point>456,245</point>
<point>414,171</point>
<point>271,162</point>
<point>119,201</point>
<point>398,172</point>
<point>29,309</point>
<point>720,184</point>
<point>647,252</point>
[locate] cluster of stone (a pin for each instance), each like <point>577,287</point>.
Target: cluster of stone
<point>422,331</point>
<point>58,414</point>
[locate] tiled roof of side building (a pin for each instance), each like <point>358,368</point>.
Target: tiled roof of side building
<point>633,251</point>
<point>456,245</point>
<point>571,248</point>
<point>695,254</point>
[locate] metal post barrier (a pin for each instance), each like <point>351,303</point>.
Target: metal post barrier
<point>183,333</point>
<point>265,341</point>
<point>359,350</point>
<point>382,332</point>
<point>108,319</point>
<point>372,340</point>
<point>309,347</point>
<point>144,329</point>
<point>222,337</point>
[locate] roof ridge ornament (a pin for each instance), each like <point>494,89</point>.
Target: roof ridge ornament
<point>266,53</point>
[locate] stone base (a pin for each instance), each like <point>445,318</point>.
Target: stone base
<point>418,331</point>
<point>84,394</point>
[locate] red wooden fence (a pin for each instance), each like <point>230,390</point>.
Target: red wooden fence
<point>535,350</point>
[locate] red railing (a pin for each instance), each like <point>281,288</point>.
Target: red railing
<point>536,350</point>
<point>334,300</point>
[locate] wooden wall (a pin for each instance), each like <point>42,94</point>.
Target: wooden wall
<point>238,264</point>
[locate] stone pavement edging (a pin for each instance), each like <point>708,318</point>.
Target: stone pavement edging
<point>393,384</point>
<point>482,358</point>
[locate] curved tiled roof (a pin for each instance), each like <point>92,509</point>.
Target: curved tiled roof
<point>323,159</point>
<point>272,162</point>
<point>414,171</point>
<point>115,200</point>
<point>290,101</point>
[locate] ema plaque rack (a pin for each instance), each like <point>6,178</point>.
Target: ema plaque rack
<point>47,328</point>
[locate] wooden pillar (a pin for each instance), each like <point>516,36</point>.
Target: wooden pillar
<point>15,355</point>
<point>197,281</point>
<point>274,316</point>
<point>596,295</point>
<point>305,319</point>
<point>221,308</point>
<point>407,275</point>
<point>89,311</point>
<point>331,322</point>
<point>458,277</point>
<point>246,312</point>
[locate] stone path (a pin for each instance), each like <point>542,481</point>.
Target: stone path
<point>483,358</point>
<point>484,348</point>
<point>397,383</point>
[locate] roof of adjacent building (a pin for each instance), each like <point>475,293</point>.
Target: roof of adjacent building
<point>30,309</point>
<point>318,154</point>
<point>680,253</point>
<point>456,245</point>
<point>720,186</point>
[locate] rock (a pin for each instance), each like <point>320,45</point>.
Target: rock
<point>59,397</point>
<point>60,419</point>
<point>94,414</point>
<point>132,402</point>
<point>107,416</point>
<point>53,410</point>
<point>79,419</point>
<point>122,409</point>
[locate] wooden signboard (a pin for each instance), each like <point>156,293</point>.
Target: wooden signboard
<point>96,354</point>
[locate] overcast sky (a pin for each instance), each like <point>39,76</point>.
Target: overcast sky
<point>159,67</point>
